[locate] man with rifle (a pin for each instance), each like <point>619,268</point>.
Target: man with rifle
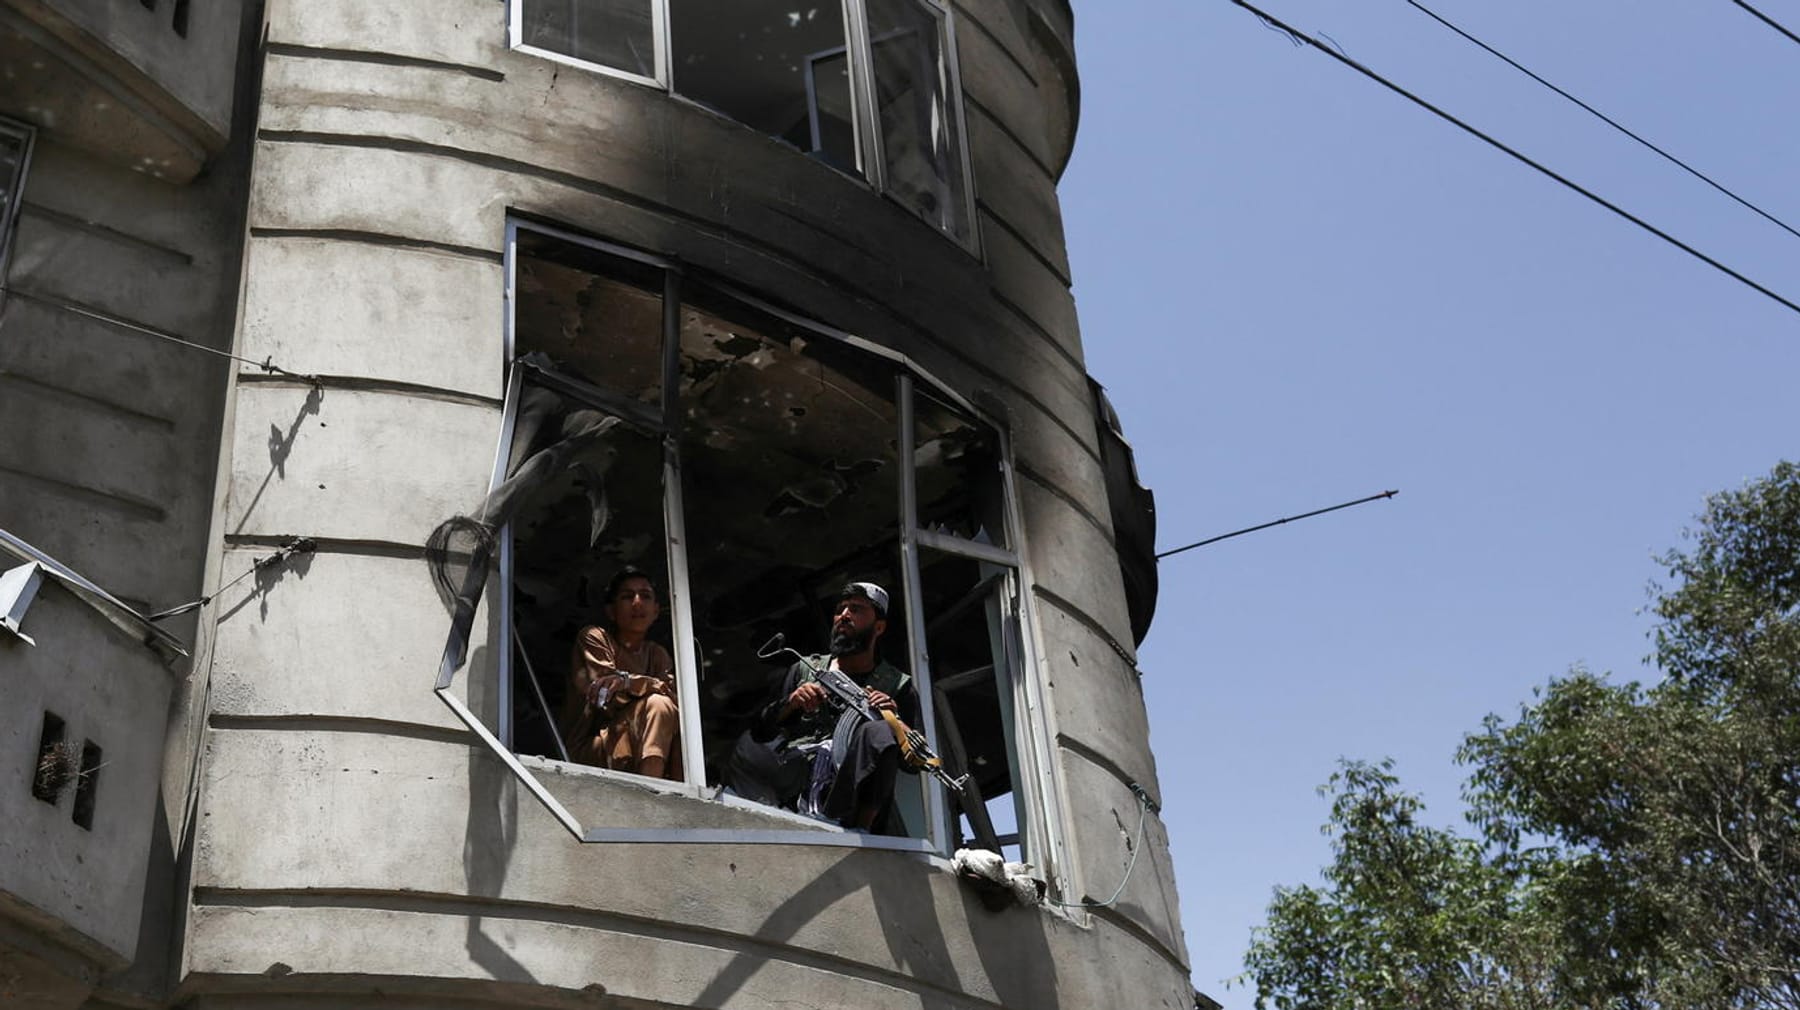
<point>825,754</point>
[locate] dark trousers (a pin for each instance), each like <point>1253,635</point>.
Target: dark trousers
<point>774,773</point>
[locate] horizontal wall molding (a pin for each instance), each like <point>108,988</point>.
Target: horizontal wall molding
<point>292,51</point>
<point>1059,494</point>
<point>115,501</point>
<point>1081,617</point>
<point>110,234</point>
<point>973,104</point>
<point>379,239</point>
<point>345,724</point>
<point>78,398</point>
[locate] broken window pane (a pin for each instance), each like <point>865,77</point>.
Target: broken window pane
<point>775,65</point>
<point>598,316</point>
<point>968,621</point>
<point>920,137</point>
<point>589,503</point>
<point>957,461</point>
<point>611,33</point>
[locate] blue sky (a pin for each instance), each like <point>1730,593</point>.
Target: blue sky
<point>1301,289</point>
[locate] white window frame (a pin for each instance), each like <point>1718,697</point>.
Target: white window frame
<point>867,130</point>
<point>1041,816</point>
<point>659,36</point>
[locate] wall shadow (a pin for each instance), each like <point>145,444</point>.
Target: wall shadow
<point>1011,944</point>
<point>489,837</point>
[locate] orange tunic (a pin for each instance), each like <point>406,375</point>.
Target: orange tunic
<point>638,719</point>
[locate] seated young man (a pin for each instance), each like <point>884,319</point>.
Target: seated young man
<point>619,711</point>
<point>802,753</point>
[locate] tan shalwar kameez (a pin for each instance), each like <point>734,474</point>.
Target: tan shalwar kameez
<point>646,724</point>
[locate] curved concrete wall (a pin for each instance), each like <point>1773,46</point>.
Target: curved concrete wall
<point>352,837</point>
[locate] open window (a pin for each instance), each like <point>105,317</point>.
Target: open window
<point>868,87</point>
<point>749,463</point>
<point>622,37</point>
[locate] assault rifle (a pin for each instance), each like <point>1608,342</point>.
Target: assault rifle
<point>845,693</point>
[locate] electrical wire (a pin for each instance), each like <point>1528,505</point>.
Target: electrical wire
<point>298,545</point>
<point>1498,145</point>
<point>1145,806</point>
<point>1278,522</point>
<point>1603,117</point>
<point>1767,20</point>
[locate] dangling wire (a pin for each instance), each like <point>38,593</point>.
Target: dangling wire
<point>1146,806</point>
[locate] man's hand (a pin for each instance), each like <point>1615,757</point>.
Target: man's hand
<point>807,697</point>
<point>609,683</point>
<point>881,702</point>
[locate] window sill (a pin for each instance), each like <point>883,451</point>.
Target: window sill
<point>616,806</point>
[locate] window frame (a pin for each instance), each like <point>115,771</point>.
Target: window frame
<point>864,118</point>
<point>659,39</point>
<point>1041,818</point>
<point>26,135</point>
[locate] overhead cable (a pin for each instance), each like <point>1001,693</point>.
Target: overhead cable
<point>1447,117</point>
<point>1278,522</point>
<point>1603,117</point>
<point>298,545</point>
<point>1767,20</point>
<point>267,364</point>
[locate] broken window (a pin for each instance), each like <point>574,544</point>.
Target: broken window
<point>970,622</point>
<point>866,86</point>
<point>771,64</point>
<point>751,463</point>
<point>15,151</point>
<point>915,104</point>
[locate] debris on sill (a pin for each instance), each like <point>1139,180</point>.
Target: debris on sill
<point>998,882</point>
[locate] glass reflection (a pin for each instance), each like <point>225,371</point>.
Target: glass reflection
<point>919,136</point>
<point>612,33</point>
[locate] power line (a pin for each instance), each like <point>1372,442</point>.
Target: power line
<point>1440,113</point>
<point>1767,20</point>
<point>1603,117</point>
<point>267,364</point>
<point>1278,522</point>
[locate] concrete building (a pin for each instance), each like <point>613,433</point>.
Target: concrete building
<point>348,349</point>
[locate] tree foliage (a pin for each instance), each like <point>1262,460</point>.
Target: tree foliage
<point>1635,848</point>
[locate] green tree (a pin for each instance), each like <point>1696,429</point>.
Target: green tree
<point>1638,847</point>
<point>1409,916</point>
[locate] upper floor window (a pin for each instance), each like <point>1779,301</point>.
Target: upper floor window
<point>15,151</point>
<point>866,86</point>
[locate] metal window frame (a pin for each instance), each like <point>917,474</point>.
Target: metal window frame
<point>953,102</point>
<point>1044,826</point>
<point>953,57</point>
<point>1042,800</point>
<point>659,44</point>
<point>864,122</point>
<point>26,135</point>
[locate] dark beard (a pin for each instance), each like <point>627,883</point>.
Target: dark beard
<point>844,643</point>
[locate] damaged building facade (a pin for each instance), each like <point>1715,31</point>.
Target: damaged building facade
<point>348,349</point>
